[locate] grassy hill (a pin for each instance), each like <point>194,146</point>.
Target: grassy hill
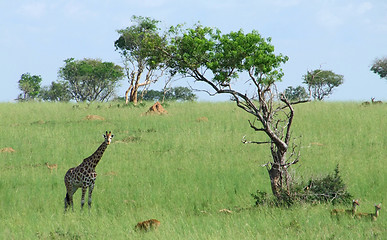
<point>182,168</point>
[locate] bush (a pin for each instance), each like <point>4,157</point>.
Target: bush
<point>328,189</point>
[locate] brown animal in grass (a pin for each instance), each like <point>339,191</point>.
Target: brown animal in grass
<point>372,216</point>
<point>375,102</point>
<point>350,212</point>
<point>52,166</point>
<point>151,224</point>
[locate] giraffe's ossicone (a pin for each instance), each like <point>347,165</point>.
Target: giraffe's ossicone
<point>84,175</point>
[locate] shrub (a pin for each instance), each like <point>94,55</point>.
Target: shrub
<point>330,189</point>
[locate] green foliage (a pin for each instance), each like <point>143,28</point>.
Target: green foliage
<point>322,82</point>
<point>90,79</point>
<point>330,188</point>
<point>56,92</point>
<point>142,49</point>
<point>30,86</point>
<point>296,94</point>
<point>195,50</point>
<point>140,43</point>
<point>172,94</point>
<point>182,171</point>
<point>379,67</point>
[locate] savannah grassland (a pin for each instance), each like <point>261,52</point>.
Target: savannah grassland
<point>182,170</point>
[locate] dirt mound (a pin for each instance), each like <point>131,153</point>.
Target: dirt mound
<point>7,149</point>
<point>94,117</point>
<point>157,108</point>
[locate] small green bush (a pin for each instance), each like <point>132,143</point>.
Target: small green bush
<point>330,188</point>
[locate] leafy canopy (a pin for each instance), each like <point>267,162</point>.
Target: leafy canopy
<point>296,93</point>
<point>380,67</point>
<point>56,92</point>
<point>202,48</point>
<point>90,79</point>
<point>322,82</point>
<point>140,43</point>
<point>30,86</point>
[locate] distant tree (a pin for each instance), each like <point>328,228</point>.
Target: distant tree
<point>90,79</point>
<point>30,86</point>
<point>56,92</point>
<point>151,95</point>
<point>140,46</point>
<point>296,94</point>
<point>181,93</point>
<point>379,67</point>
<point>321,83</point>
<point>173,94</point>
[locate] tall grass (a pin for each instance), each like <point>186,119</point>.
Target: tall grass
<point>182,169</point>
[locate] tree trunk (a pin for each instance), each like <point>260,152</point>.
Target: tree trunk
<point>127,95</point>
<point>278,172</point>
<point>133,95</point>
<point>275,179</point>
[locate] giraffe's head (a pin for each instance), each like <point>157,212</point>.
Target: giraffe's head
<point>108,137</point>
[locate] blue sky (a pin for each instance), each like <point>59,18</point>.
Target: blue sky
<point>344,36</point>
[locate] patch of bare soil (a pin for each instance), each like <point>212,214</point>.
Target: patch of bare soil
<point>94,117</point>
<point>7,149</point>
<point>157,108</point>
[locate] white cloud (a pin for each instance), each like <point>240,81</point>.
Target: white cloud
<point>35,9</point>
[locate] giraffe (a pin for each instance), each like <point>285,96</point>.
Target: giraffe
<point>84,175</point>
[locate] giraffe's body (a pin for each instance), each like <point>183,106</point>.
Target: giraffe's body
<point>84,175</point>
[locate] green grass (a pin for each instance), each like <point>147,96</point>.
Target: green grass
<point>182,171</point>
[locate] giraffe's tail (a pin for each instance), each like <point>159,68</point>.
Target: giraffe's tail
<point>67,200</point>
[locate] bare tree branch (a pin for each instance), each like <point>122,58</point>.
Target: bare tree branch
<point>244,141</point>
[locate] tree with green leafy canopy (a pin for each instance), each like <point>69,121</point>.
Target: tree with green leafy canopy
<point>296,93</point>
<point>140,47</point>
<point>90,79</point>
<point>379,67</point>
<point>217,59</point>
<point>30,86</point>
<point>322,82</point>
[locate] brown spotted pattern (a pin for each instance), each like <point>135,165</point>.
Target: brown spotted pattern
<point>84,175</point>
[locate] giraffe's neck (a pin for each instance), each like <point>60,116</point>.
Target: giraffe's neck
<point>93,160</point>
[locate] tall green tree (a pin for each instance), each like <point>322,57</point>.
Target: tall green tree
<point>30,86</point>
<point>322,82</point>
<point>140,47</point>
<point>90,79</point>
<point>216,59</point>
<point>379,67</point>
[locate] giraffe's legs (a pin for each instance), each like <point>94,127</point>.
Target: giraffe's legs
<point>84,188</point>
<point>69,197</point>
<point>90,193</point>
